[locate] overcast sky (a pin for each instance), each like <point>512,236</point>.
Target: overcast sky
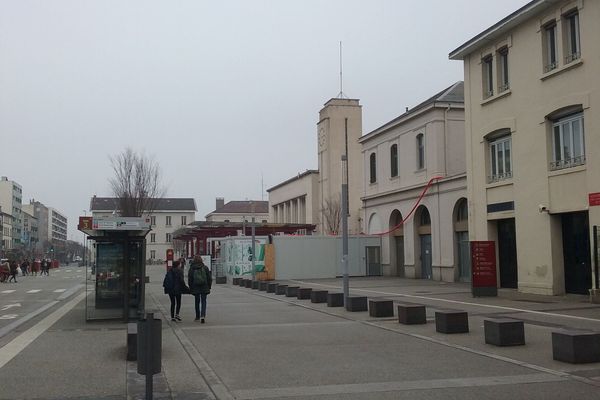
<point>220,92</point>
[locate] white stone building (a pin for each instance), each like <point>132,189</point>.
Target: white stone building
<point>11,194</point>
<point>295,201</point>
<point>169,215</point>
<point>399,159</point>
<point>239,211</point>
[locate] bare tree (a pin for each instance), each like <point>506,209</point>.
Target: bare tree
<point>136,184</point>
<point>332,214</point>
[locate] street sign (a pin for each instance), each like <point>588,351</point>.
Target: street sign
<point>169,259</point>
<point>594,199</point>
<point>483,268</point>
<point>85,223</point>
<point>120,223</point>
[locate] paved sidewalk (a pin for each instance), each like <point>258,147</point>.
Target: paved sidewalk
<point>257,345</point>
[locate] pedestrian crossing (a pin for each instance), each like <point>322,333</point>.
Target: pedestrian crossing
<point>33,291</point>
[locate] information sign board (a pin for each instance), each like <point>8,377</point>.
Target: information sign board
<point>483,263</point>
<point>594,199</point>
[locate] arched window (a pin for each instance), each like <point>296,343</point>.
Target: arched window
<point>420,151</point>
<point>394,160</point>
<point>425,219</point>
<point>373,167</point>
<point>462,211</point>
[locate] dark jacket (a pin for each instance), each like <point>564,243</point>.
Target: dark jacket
<point>178,283</point>
<point>199,289</point>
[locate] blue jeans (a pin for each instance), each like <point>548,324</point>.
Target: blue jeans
<point>197,299</point>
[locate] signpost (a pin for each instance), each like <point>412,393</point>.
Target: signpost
<point>483,261</point>
<point>170,256</point>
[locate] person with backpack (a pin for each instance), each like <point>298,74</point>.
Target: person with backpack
<point>174,286</point>
<point>200,282</point>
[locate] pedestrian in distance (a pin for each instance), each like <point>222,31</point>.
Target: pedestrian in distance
<point>174,286</point>
<point>13,271</point>
<point>200,282</point>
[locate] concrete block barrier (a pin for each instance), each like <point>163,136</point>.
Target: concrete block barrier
<point>280,289</point>
<point>451,321</point>
<point>304,293</point>
<point>132,341</point>
<point>255,285</point>
<point>356,303</point>
<point>504,331</point>
<point>272,287</point>
<point>335,299</point>
<point>248,283</point>
<point>291,291</point>
<point>236,281</point>
<point>262,286</point>
<point>381,308</point>
<point>411,314</point>
<point>221,279</point>
<point>318,296</point>
<point>576,346</point>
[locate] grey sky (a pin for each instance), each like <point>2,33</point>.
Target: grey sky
<point>219,91</point>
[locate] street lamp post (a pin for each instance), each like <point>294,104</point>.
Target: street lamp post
<point>346,283</point>
<point>253,246</point>
<point>84,244</point>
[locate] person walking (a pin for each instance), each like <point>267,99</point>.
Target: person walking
<point>174,286</point>
<point>13,271</point>
<point>200,282</point>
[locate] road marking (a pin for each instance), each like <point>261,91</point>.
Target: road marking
<point>34,291</point>
<point>9,316</point>
<point>6,307</point>
<point>68,270</point>
<point>59,290</point>
<point>431,384</point>
<point>18,344</point>
<point>8,291</point>
<point>456,302</point>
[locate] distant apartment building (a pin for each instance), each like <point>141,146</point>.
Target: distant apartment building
<point>169,215</point>
<point>239,211</point>
<point>399,159</point>
<point>533,148</point>
<point>11,195</point>
<point>57,226</point>
<point>30,236</point>
<point>296,200</point>
<point>6,224</point>
<point>41,213</point>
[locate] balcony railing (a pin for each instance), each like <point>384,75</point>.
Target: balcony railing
<point>568,163</point>
<point>550,67</point>
<point>572,57</point>
<point>499,177</point>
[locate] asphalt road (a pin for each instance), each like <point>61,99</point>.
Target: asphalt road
<point>32,295</point>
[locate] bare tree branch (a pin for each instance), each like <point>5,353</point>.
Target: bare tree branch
<point>332,214</point>
<point>136,183</point>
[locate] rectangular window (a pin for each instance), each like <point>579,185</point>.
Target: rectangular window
<point>153,220</point>
<point>488,85</point>
<point>183,220</point>
<point>168,220</point>
<point>500,159</point>
<point>568,142</point>
<point>153,254</point>
<point>168,238</point>
<point>420,151</point>
<point>550,61</point>
<point>573,50</point>
<point>503,84</point>
<point>152,237</point>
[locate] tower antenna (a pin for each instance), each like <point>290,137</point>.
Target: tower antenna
<point>341,94</point>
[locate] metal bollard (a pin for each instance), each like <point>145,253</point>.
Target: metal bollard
<point>149,349</point>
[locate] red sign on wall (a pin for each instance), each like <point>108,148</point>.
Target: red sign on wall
<point>594,199</point>
<point>483,264</point>
<point>169,259</point>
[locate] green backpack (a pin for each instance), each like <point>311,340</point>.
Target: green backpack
<point>199,277</point>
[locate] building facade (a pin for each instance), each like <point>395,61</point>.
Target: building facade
<point>421,238</point>
<point>41,213</point>
<point>338,131</point>
<point>295,200</point>
<point>6,229</point>
<point>533,165</point>
<point>11,194</point>
<point>169,215</point>
<point>30,237</point>
<point>57,226</point>
<point>239,211</point>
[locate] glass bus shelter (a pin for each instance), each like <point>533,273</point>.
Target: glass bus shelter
<point>115,279</point>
